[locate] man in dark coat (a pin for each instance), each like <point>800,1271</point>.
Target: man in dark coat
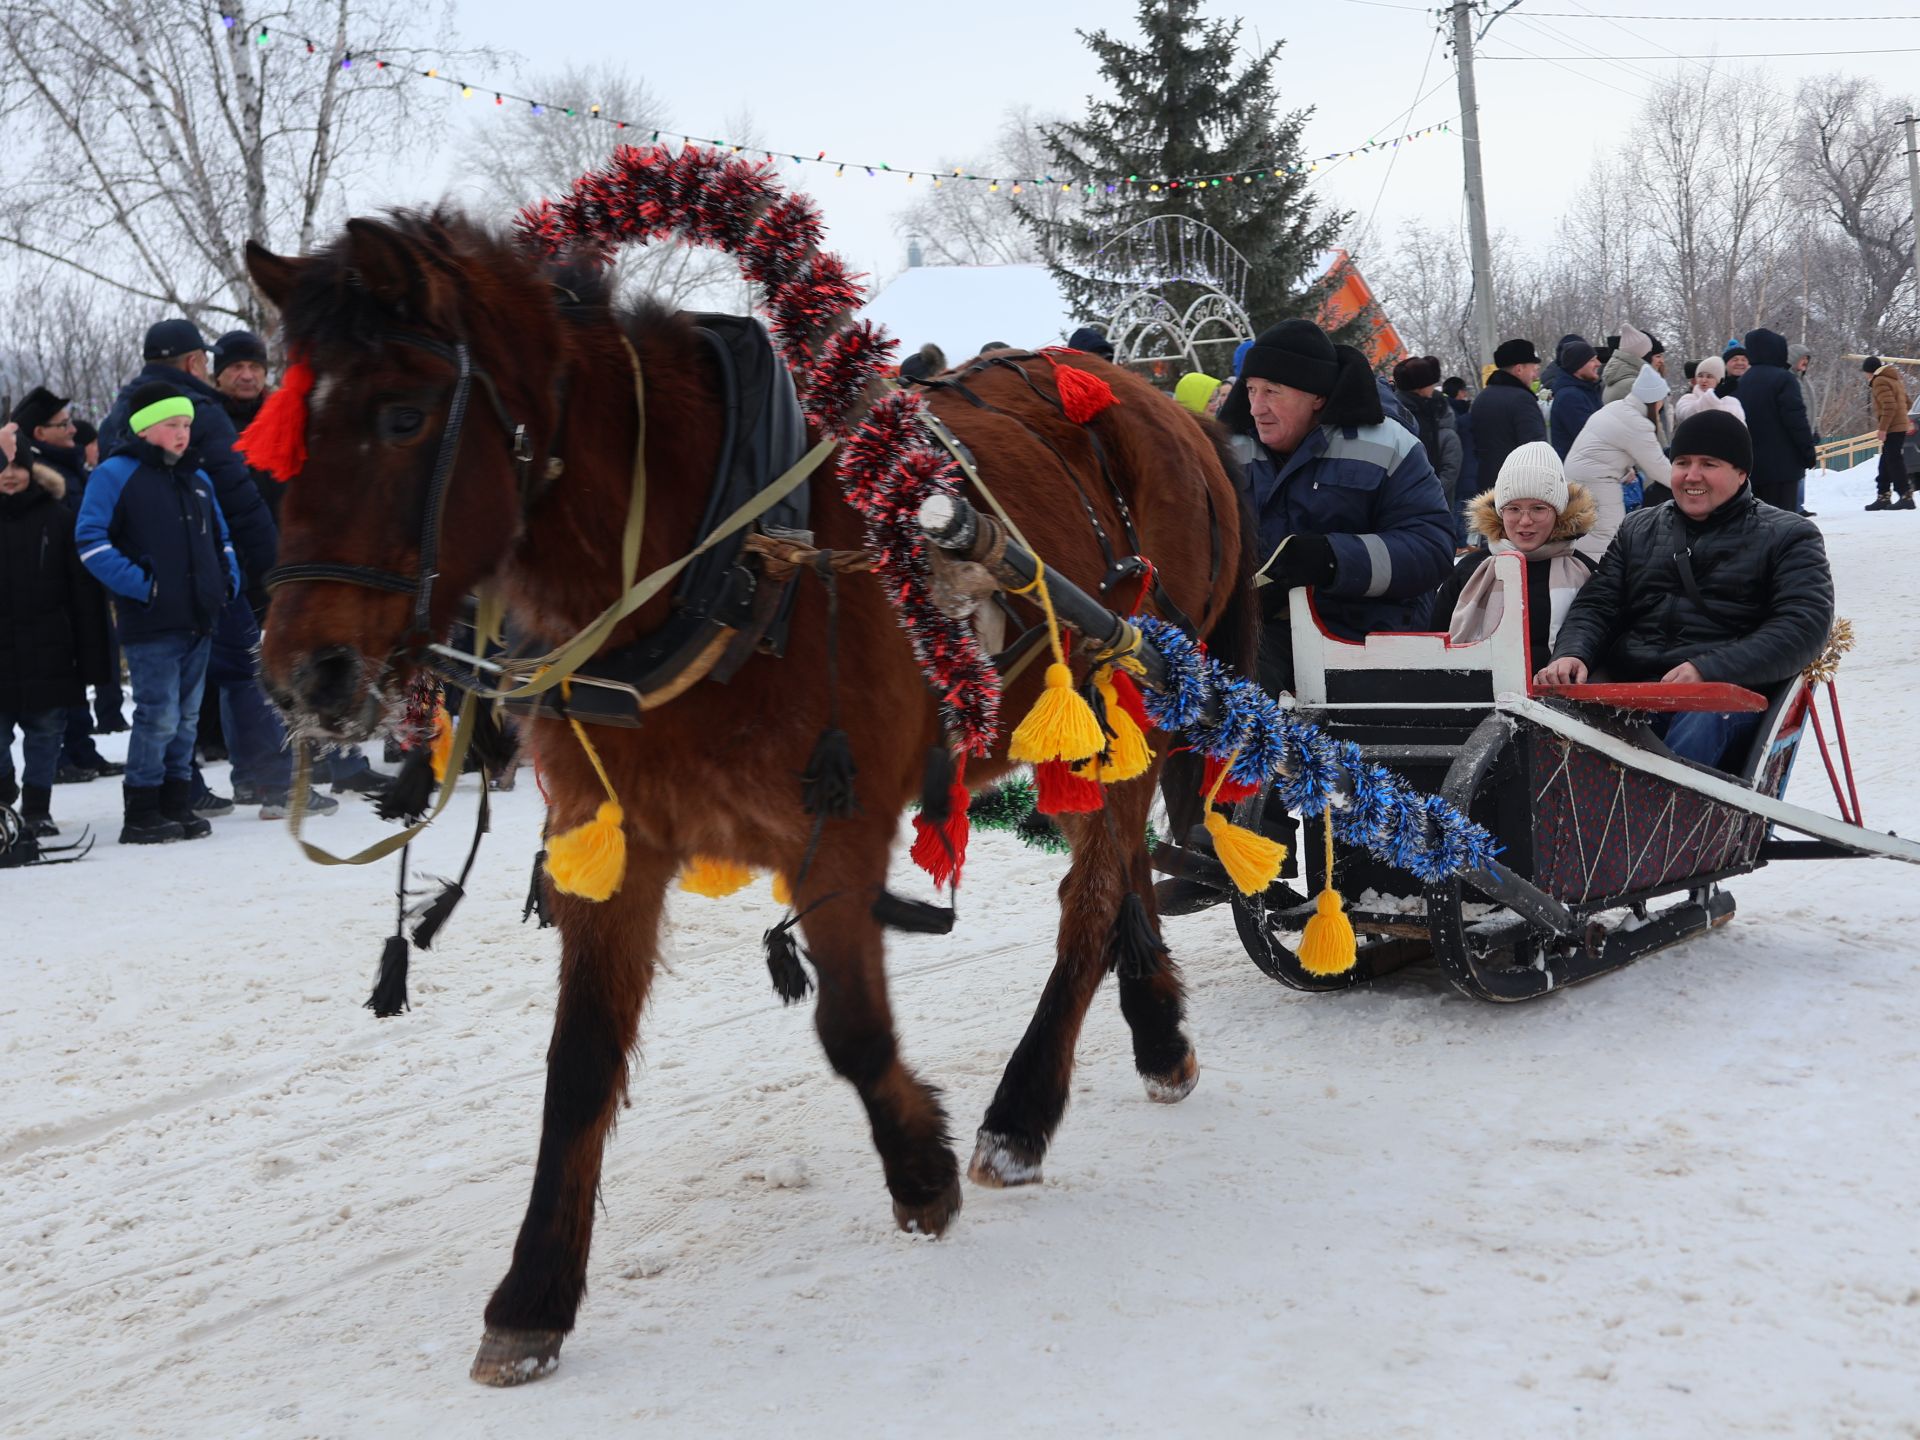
<point>1576,394</point>
<point>53,630</point>
<point>1455,389</point>
<point>1783,442</point>
<point>1712,585</point>
<point>1415,381</point>
<point>1506,414</point>
<point>240,375</point>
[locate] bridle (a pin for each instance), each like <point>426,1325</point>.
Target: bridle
<point>531,480</point>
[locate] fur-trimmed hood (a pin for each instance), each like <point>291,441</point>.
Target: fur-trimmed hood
<point>1483,517</point>
<point>47,478</point>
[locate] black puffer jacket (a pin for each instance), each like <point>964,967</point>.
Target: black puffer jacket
<point>1777,419</point>
<point>1764,606</point>
<point>1506,415</point>
<point>53,616</point>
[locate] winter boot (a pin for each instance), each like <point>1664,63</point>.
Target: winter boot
<point>1882,501</point>
<point>1905,502</point>
<point>145,825</point>
<point>36,809</point>
<point>176,803</point>
<point>70,774</point>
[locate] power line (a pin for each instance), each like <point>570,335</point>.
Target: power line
<point>1394,159</point>
<point>1526,54</point>
<point>1691,19</point>
<point>1636,35</point>
<point>1592,51</point>
<point>1743,55</point>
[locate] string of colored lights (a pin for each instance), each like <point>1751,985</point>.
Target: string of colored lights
<point>1012,185</point>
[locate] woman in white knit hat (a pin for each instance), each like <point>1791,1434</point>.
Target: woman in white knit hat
<point>1707,376</point>
<point>1535,513</point>
<point>1622,437</point>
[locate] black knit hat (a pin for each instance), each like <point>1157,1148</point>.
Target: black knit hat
<point>1515,352</point>
<point>1871,364</point>
<point>1718,433</point>
<point>1654,347</point>
<point>84,434</point>
<point>1091,342</point>
<point>1691,367</point>
<point>1297,354</point>
<point>238,345</point>
<point>37,407</point>
<point>1417,371</point>
<point>1574,355</point>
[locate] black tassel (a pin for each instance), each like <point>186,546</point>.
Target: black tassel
<point>936,787</point>
<point>389,996</point>
<point>537,895</point>
<point>790,979</point>
<point>410,792</point>
<point>436,914</point>
<point>1134,948</point>
<point>827,787</point>
<point>902,912</point>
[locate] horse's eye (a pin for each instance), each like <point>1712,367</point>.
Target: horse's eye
<point>400,423</point>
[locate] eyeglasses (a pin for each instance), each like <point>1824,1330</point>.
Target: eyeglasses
<point>61,425</point>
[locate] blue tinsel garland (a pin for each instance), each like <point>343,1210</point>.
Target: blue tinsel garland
<point>1421,834</point>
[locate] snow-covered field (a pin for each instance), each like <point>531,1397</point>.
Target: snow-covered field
<point>1680,1201</point>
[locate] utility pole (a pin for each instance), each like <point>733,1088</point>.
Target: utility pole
<point>1913,187</point>
<point>1481,247</point>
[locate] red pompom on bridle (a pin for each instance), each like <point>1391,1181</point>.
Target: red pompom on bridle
<point>276,441</point>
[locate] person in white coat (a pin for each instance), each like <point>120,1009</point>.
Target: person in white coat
<point>1707,376</point>
<point>1620,439</point>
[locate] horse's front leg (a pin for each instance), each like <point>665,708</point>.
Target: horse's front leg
<point>855,1021</point>
<point>606,964</point>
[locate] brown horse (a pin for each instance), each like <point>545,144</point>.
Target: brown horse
<point>713,773</point>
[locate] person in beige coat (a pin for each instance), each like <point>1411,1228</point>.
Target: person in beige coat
<point>1619,439</point>
<point>1890,403</point>
<point>1638,350</point>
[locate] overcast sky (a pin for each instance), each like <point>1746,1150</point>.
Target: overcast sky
<point>913,84</point>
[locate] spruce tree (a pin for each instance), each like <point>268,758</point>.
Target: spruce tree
<point>1180,110</point>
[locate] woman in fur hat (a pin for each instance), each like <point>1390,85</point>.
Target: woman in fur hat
<point>1533,512</point>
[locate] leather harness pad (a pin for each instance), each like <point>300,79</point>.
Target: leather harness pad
<point>719,599</point>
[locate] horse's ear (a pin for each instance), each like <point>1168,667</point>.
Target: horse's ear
<point>382,263</point>
<point>273,275</point>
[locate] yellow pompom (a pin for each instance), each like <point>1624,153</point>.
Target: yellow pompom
<point>1252,861</point>
<point>704,875</point>
<point>1328,946</point>
<point>1061,725</point>
<point>782,889</point>
<point>442,750</point>
<point>1128,755</point>
<point>590,860</point>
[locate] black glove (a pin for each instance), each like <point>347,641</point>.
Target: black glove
<point>1303,559</point>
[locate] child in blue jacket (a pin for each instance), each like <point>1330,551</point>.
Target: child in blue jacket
<point>151,531</point>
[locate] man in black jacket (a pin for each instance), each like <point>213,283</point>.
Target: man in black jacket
<point>1506,414</point>
<point>1776,411</point>
<point>1712,585</point>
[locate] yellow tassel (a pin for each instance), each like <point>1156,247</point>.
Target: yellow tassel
<point>442,750</point>
<point>1328,946</point>
<point>1127,753</point>
<point>782,889</point>
<point>590,860</point>
<point>1252,861</point>
<point>704,875</point>
<point>1061,725</point>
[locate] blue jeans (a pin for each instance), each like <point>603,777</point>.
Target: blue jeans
<point>41,732</point>
<point>1707,736</point>
<point>256,740</point>
<point>168,675</point>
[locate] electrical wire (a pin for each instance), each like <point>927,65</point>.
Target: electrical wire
<point>1742,55</point>
<point>1593,52</point>
<point>1696,19</point>
<point>1526,54</point>
<point>1635,35</point>
<point>1394,159</point>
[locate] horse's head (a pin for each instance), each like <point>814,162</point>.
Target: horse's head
<point>433,347</point>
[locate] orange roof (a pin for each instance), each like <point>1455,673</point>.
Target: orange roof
<point>1353,296</point>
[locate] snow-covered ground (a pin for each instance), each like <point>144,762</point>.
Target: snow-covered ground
<point>1680,1201</point>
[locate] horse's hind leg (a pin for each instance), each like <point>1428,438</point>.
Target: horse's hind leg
<point>855,1023</point>
<point>1154,1005</point>
<point>606,964</point>
<point>1108,860</point>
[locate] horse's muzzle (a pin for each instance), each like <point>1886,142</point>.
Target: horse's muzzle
<point>327,692</point>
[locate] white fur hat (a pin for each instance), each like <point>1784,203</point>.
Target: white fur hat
<point>1531,472</point>
<point>1713,367</point>
<point>1648,386</point>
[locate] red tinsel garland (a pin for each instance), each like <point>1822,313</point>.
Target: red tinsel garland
<point>888,464</point>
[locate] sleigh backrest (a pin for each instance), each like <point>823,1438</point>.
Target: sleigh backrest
<point>1413,670</point>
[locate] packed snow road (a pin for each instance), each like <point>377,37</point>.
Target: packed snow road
<point>1679,1201</point>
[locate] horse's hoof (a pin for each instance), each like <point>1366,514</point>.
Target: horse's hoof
<point>1000,1161</point>
<point>513,1357</point>
<point>932,1218</point>
<point>1172,1089</point>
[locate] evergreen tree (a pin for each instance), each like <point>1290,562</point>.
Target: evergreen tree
<point>1180,111</point>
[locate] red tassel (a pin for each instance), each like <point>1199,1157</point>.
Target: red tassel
<point>943,858</point>
<point>1231,791</point>
<point>1060,790</point>
<point>1131,700</point>
<point>276,441</point>
<point>1082,396</point>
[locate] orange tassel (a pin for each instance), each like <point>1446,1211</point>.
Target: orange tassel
<point>1232,792</point>
<point>276,441</point>
<point>1059,789</point>
<point>442,749</point>
<point>1082,396</point>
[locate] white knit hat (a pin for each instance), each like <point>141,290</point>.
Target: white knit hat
<point>1648,386</point>
<point>1713,367</point>
<point>1531,472</point>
